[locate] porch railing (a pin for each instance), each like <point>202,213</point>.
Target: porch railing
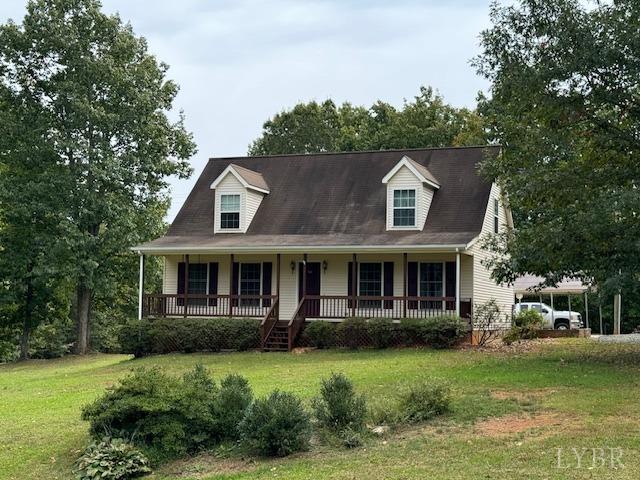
<point>269,322</point>
<point>196,305</point>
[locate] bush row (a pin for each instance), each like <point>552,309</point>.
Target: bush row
<point>436,332</point>
<point>166,335</point>
<point>167,417</point>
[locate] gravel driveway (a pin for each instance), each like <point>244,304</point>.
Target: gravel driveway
<point>626,338</point>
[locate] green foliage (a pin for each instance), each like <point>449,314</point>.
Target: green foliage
<point>382,332</point>
<point>338,408</point>
<point>525,326</point>
<point>444,331</point>
<point>111,459</point>
<point>169,417</point>
<point>321,334</point>
<point>423,401</point>
<point>167,335</point>
<point>86,185</point>
<point>353,332</point>
<point>51,340</point>
<point>276,425</point>
<point>427,121</point>
<point>563,100</point>
<point>351,438</point>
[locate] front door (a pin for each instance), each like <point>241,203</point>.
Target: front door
<point>313,287</point>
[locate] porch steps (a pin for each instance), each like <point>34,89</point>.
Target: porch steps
<point>278,341</point>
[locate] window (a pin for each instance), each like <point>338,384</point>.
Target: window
<point>250,274</point>
<point>404,208</point>
<point>370,284</point>
<point>197,282</point>
<point>229,211</point>
<point>496,216</point>
<point>431,282</point>
<point>536,307</point>
<point>524,306</point>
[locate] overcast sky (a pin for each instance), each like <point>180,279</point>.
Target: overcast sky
<point>238,61</point>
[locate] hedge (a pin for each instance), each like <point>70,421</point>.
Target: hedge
<point>166,335</point>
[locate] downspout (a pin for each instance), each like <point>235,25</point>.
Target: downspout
<point>457,282</point>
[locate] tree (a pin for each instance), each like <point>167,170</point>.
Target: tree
<point>565,104</point>
<point>92,93</point>
<point>311,127</point>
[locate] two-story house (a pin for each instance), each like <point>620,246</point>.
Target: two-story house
<point>294,238</point>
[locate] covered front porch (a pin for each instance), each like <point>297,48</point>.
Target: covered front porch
<point>287,289</point>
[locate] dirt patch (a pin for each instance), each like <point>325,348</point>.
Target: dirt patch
<point>516,424</point>
<point>204,465</point>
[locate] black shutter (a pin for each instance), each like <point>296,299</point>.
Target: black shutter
<point>350,282</point>
<point>213,283</point>
<point>450,283</point>
<point>235,276</point>
<point>388,284</point>
<point>181,267</point>
<point>412,283</point>
<point>266,283</point>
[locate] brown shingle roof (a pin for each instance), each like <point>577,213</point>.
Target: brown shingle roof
<point>424,171</point>
<point>338,199</point>
<point>252,178</point>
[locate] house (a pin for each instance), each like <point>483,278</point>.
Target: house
<point>293,238</point>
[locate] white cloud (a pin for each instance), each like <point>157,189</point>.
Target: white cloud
<point>239,62</point>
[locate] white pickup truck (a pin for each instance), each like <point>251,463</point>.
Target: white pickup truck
<point>556,319</point>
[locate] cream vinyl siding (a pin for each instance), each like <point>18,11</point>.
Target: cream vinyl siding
<point>249,202</point>
<point>484,287</point>
<point>404,179</point>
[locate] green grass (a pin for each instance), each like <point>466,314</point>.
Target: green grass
<point>592,388</point>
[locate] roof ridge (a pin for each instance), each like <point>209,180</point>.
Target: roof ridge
<point>348,152</point>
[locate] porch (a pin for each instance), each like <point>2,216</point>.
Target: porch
<point>287,290</point>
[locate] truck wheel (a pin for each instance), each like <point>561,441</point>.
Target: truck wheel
<point>562,325</point>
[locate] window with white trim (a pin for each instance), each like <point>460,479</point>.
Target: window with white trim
<point>229,212</point>
<point>198,281</point>
<point>431,284</point>
<point>404,208</point>
<point>250,282</point>
<point>496,216</point>
<point>370,284</point>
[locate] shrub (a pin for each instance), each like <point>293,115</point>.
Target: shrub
<point>353,332</point>
<point>169,417</point>
<point>339,408</point>
<point>166,335</point>
<point>351,438</point>
<point>423,401</point>
<point>50,340</point>
<point>486,320</point>
<point>525,326</point>
<point>381,332</point>
<point>321,334</point>
<point>111,459</point>
<point>276,426</point>
<point>444,331</point>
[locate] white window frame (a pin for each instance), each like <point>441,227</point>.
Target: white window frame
<point>240,275</point>
<point>381,276</point>
<point>394,208</point>
<point>444,279</point>
<point>231,229</point>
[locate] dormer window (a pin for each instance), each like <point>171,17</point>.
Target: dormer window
<point>229,212</point>
<point>404,208</point>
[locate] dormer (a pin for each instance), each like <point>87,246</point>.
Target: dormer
<point>410,189</point>
<point>238,194</point>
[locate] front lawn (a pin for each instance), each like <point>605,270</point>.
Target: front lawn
<point>512,411</point>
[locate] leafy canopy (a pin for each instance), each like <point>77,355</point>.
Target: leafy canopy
<point>565,104</point>
<point>312,127</point>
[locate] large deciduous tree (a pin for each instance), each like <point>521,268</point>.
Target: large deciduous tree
<point>427,121</point>
<point>565,103</point>
<point>84,86</point>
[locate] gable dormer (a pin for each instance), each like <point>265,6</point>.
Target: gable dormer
<point>410,189</point>
<point>238,194</point>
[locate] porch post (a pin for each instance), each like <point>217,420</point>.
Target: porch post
<point>278,276</point>
<point>457,283</point>
<point>140,285</point>
<point>404,285</point>
<point>186,283</point>
<point>304,276</point>
<point>354,288</point>
<point>231,285</point>
<point>586,309</point>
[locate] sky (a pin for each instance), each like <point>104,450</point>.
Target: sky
<point>238,62</point>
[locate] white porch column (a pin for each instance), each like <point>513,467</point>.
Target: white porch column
<point>457,283</point>
<point>140,285</point>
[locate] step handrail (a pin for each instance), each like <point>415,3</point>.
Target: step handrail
<point>269,322</point>
<point>296,322</point>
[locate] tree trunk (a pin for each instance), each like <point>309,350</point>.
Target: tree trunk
<point>27,322</point>
<point>83,304</point>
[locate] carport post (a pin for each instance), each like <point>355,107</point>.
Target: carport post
<point>140,285</point>
<point>586,309</point>
<point>553,315</point>
<point>569,299</point>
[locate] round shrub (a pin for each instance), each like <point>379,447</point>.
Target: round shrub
<point>231,404</point>
<point>382,332</point>
<point>339,408</point>
<point>276,426</point>
<point>111,459</point>
<point>444,331</point>
<point>321,334</point>
<point>353,332</point>
<point>424,401</point>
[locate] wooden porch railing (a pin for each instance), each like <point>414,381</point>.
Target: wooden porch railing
<point>194,305</point>
<point>269,322</point>
<point>296,323</point>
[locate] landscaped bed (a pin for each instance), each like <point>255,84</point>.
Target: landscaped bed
<point>511,411</point>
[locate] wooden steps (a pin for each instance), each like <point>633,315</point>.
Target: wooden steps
<point>278,341</point>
